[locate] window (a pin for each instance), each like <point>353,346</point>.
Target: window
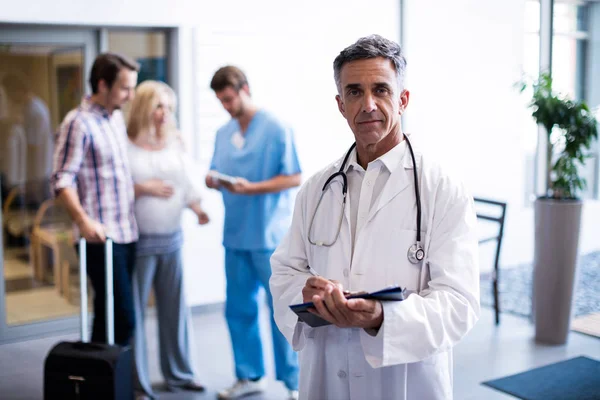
<point>148,48</point>
<point>574,63</point>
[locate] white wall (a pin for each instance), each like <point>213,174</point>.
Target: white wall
<point>463,60</point>
<point>287,53</point>
<point>287,50</point>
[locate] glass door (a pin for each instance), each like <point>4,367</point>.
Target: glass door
<point>42,78</point>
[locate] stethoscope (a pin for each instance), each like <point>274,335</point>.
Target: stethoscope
<point>415,252</point>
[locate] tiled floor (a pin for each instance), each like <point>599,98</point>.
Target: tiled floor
<point>487,352</point>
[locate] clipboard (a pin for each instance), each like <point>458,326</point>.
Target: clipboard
<point>394,293</point>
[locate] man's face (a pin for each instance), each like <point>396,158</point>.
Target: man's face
<point>122,90</point>
<point>232,100</point>
<point>371,99</point>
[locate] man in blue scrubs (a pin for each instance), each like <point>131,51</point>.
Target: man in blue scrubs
<point>259,151</point>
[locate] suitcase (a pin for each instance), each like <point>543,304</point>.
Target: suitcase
<point>90,371</point>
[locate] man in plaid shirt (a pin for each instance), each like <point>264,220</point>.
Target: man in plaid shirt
<point>92,179</point>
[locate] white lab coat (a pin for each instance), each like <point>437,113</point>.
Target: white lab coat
<point>411,355</point>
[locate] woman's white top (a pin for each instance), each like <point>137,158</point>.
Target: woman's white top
<point>157,215</point>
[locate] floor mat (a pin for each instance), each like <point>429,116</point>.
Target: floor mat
<point>19,284</point>
<point>574,379</point>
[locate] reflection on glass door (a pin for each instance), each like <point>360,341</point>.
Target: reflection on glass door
<point>38,86</point>
<point>147,47</point>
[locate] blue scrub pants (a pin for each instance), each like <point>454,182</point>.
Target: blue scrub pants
<point>246,272</point>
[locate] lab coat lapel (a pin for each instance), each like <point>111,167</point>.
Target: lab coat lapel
<point>398,181</point>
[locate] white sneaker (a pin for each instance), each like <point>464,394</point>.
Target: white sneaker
<point>292,394</point>
<point>243,387</point>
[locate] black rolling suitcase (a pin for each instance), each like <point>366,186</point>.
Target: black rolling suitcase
<point>83,370</point>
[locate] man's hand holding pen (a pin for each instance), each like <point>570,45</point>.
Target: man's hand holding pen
<point>316,286</point>
<point>332,305</point>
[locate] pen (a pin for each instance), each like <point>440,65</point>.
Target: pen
<point>312,271</point>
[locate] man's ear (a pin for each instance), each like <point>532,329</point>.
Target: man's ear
<point>102,86</point>
<point>246,89</point>
<point>340,104</point>
<point>403,101</point>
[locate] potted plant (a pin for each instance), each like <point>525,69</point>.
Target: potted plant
<point>571,128</point>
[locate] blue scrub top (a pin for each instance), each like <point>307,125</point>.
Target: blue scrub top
<point>256,222</point>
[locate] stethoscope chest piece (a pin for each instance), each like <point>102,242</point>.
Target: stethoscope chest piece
<point>416,254</point>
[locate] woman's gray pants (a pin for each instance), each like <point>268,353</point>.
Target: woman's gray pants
<point>164,272</point>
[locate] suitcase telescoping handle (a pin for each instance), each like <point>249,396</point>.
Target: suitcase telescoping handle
<point>108,256</point>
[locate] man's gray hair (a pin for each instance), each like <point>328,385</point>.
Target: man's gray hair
<point>370,47</point>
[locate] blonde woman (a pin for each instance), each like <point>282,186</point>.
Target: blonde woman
<point>163,189</point>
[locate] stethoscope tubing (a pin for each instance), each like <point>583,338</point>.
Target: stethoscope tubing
<point>416,252</point>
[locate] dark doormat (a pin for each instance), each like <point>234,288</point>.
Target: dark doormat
<point>20,284</point>
<point>574,379</point>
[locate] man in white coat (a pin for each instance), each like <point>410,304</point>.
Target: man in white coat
<point>378,350</point>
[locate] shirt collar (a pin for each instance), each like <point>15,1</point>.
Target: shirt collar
<point>88,105</point>
<point>391,160</point>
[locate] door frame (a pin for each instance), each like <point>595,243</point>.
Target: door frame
<point>88,40</point>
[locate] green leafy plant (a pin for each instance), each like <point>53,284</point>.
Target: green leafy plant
<point>571,128</point>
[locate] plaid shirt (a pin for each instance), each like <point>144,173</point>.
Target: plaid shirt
<point>91,156</point>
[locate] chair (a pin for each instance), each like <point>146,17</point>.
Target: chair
<point>20,209</point>
<point>485,211</point>
<point>51,229</point>
<point>17,216</point>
